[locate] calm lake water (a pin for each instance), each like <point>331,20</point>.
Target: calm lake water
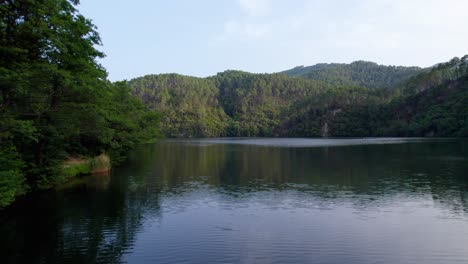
<point>255,201</point>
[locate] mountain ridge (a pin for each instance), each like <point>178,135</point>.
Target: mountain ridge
<point>357,99</point>
<point>361,73</point>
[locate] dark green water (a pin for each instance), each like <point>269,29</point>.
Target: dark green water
<point>255,201</point>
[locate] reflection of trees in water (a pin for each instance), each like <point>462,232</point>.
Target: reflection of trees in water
<point>96,220</point>
<point>93,222</point>
<point>105,229</point>
<point>370,172</point>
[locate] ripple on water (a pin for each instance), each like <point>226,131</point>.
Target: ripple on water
<point>256,201</point>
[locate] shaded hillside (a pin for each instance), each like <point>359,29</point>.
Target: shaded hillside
<point>335,112</point>
<point>256,102</point>
<point>358,73</point>
<point>433,103</point>
<point>232,103</point>
<point>189,105</point>
<point>440,111</point>
<point>454,69</point>
<point>235,103</point>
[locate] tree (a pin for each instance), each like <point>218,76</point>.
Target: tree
<point>55,101</point>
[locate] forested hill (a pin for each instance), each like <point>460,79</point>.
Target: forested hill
<point>433,103</point>
<point>232,103</point>
<point>413,102</point>
<point>359,73</point>
<point>190,105</point>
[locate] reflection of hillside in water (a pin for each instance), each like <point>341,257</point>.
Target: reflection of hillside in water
<point>361,173</point>
<point>94,220</point>
<point>97,219</point>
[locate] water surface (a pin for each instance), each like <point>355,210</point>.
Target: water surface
<point>255,201</point>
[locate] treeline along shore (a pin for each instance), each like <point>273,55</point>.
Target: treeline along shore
<point>60,116</point>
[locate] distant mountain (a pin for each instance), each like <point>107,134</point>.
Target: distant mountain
<point>436,75</point>
<point>358,99</point>
<point>432,103</point>
<point>359,73</point>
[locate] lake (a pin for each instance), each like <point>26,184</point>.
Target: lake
<point>385,200</point>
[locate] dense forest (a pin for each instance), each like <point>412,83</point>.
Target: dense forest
<point>232,103</point>
<point>58,111</point>
<point>56,104</point>
<point>432,103</point>
<point>350,100</point>
<point>358,73</point>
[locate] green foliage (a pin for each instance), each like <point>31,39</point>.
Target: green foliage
<point>438,111</point>
<point>332,100</point>
<point>82,166</point>
<point>11,176</point>
<point>433,103</point>
<point>340,111</point>
<point>73,169</point>
<point>232,103</point>
<point>359,73</point>
<point>55,101</point>
<point>189,105</point>
<point>256,102</point>
<point>454,69</point>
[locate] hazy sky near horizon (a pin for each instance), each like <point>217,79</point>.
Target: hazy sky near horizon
<point>203,37</point>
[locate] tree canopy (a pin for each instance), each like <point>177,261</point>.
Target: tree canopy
<point>359,73</point>
<point>55,100</point>
<point>357,99</point>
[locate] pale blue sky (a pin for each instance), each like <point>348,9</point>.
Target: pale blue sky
<point>203,37</point>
